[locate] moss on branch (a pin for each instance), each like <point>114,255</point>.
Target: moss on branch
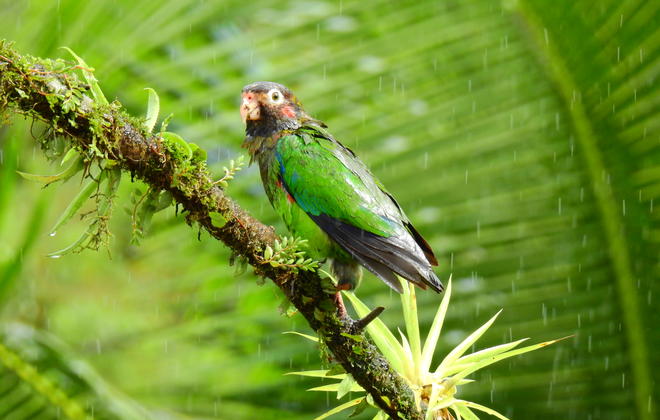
<point>50,91</point>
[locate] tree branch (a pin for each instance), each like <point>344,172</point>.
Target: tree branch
<point>50,91</point>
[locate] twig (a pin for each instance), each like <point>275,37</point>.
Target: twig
<point>362,323</point>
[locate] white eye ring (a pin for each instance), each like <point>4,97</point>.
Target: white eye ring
<point>275,96</point>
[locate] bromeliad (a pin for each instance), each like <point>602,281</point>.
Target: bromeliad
<point>326,195</point>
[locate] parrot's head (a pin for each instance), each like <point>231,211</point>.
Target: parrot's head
<point>268,107</point>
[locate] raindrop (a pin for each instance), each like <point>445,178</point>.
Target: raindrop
<point>559,205</point>
<point>466,180</point>
<point>426,160</point>
<point>573,98</point>
<point>54,256</point>
<point>618,54</point>
<point>53,233</point>
<point>623,207</point>
<point>545,36</point>
<point>623,380</point>
<point>470,85</point>
<point>544,314</point>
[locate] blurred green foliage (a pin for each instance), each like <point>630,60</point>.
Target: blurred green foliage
<point>522,137</point>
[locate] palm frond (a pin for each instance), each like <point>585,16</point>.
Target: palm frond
<point>521,138</point>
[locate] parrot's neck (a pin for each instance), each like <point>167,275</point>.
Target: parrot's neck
<point>261,136</point>
<point>270,127</point>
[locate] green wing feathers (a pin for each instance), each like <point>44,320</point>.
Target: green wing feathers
<point>337,191</point>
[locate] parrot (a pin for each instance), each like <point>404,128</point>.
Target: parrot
<point>326,194</point>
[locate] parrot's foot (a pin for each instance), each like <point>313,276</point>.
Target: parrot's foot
<point>341,308</point>
<point>361,323</point>
<point>347,273</point>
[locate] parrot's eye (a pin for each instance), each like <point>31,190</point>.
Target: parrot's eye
<point>275,96</point>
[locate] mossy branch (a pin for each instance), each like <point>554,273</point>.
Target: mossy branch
<point>50,91</point>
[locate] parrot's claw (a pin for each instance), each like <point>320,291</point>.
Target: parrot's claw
<point>341,308</point>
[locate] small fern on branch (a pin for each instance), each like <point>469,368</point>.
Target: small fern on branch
<point>287,254</point>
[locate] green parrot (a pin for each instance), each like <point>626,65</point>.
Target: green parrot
<point>325,194</point>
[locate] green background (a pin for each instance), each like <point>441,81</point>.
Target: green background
<point>521,137</point>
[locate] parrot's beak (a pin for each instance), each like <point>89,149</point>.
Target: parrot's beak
<point>250,107</point>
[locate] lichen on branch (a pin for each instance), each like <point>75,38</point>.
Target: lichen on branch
<point>50,91</point>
